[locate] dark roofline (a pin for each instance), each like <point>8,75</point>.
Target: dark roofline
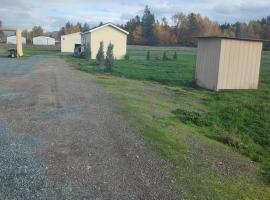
<point>233,38</point>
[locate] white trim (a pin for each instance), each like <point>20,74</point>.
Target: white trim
<point>105,25</point>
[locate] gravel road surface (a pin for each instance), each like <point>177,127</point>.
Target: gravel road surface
<point>61,139</point>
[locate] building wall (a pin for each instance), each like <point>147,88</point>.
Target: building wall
<point>43,41</point>
<point>12,40</point>
<point>208,55</point>
<point>239,64</point>
<point>68,42</point>
<point>86,46</point>
<point>109,35</point>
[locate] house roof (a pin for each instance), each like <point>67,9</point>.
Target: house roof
<point>72,34</point>
<point>41,36</point>
<point>232,38</point>
<point>105,25</point>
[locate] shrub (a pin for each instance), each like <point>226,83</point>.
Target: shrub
<point>100,54</point>
<point>148,55</point>
<point>192,117</point>
<point>157,57</point>
<point>175,56</point>
<point>165,56</point>
<point>126,57</point>
<point>109,62</point>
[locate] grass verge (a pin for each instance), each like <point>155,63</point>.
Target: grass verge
<point>174,118</point>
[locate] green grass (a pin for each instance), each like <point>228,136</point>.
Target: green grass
<point>32,51</point>
<point>201,132</point>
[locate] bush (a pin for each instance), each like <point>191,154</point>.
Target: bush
<point>175,56</point>
<point>126,57</point>
<point>148,55</point>
<point>100,54</point>
<point>195,118</point>
<point>165,56</point>
<point>109,62</point>
<point>157,57</point>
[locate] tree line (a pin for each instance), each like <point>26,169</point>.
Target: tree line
<point>146,30</point>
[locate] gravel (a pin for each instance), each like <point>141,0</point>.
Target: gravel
<point>63,140</point>
<point>22,176</point>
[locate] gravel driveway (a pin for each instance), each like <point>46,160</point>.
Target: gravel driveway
<point>60,139</point>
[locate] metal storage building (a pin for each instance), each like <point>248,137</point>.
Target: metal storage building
<point>43,40</point>
<point>69,41</point>
<point>228,63</point>
<point>12,39</point>
<point>108,33</point>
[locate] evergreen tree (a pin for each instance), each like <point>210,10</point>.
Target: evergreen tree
<point>1,33</point>
<point>79,26</point>
<point>148,26</point>
<point>109,62</point>
<point>148,55</point>
<point>100,54</point>
<point>175,56</point>
<point>85,27</point>
<point>165,56</point>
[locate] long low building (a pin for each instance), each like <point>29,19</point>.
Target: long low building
<point>69,41</point>
<point>12,39</point>
<point>43,40</point>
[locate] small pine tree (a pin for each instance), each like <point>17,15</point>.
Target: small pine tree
<point>109,62</point>
<point>175,56</point>
<point>126,57</point>
<point>148,55</point>
<point>165,57</point>
<point>100,54</point>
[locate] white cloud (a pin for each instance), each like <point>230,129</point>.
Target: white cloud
<point>52,14</point>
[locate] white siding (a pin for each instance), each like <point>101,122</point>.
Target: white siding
<point>43,40</point>
<point>208,63</point>
<point>224,63</point>
<point>239,64</point>
<point>68,42</point>
<point>12,40</point>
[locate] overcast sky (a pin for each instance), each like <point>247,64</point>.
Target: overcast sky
<point>52,14</point>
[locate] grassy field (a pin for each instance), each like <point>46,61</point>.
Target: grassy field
<point>30,50</point>
<point>203,133</point>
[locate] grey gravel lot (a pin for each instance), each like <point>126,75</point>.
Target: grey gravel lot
<point>61,139</point>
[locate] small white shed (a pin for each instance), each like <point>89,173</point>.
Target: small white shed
<point>12,39</point>
<point>228,63</point>
<point>107,33</point>
<point>69,41</point>
<point>43,40</point>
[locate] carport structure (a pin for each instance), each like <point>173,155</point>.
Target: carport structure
<point>19,48</point>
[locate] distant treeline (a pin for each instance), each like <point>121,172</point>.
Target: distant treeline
<point>146,30</point>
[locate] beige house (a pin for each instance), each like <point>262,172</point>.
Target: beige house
<point>69,41</point>
<point>228,63</point>
<point>108,33</point>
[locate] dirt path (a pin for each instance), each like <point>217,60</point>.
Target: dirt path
<point>60,139</point>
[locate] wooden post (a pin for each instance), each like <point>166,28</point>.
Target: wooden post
<point>19,43</point>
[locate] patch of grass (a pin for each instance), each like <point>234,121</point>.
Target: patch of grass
<point>179,72</point>
<point>173,116</point>
<point>36,50</point>
<point>193,117</point>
